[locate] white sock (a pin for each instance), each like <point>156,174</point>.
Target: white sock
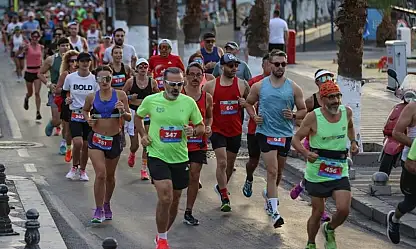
<point>163,235</point>
<point>273,202</point>
<point>302,184</point>
<point>395,220</point>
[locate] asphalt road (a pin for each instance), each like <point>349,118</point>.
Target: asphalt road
<point>71,202</point>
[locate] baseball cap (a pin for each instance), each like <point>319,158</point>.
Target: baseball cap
<point>232,45</point>
<point>321,72</point>
<point>31,14</point>
<point>165,41</point>
<point>17,28</point>
<point>227,58</point>
<point>107,37</point>
<point>84,56</point>
<point>72,23</point>
<point>141,60</point>
<point>208,35</point>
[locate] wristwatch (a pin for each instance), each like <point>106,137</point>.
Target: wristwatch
<point>355,142</point>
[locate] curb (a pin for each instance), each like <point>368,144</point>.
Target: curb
<point>371,207</point>
<point>30,197</point>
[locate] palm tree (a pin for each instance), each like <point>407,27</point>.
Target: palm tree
<point>138,22</point>
<point>191,24</point>
<point>168,22</point>
<point>257,34</point>
<point>351,20</point>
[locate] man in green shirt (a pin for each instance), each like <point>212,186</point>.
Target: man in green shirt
<point>326,174</point>
<point>166,144</point>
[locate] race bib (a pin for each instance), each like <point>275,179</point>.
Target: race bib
<point>102,142</point>
<point>170,134</point>
<point>196,140</point>
<point>229,107</point>
<point>277,141</point>
<point>331,169</point>
<point>77,116</point>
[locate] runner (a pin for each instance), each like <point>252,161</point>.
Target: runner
<point>68,66</point>
<point>100,50</point>
<point>252,142</point>
<point>326,173</point>
<point>30,26</point>
<point>197,146</point>
<point>405,132</point>
<point>79,85</point>
<point>312,103</point>
<point>78,43</point>
<point>103,110</point>
<point>166,144</point>
<point>211,53</point>
<point>197,57</point>
<point>57,35</point>
<point>226,139</point>
<point>121,71</point>
<point>129,52</point>
<point>138,87</point>
<point>159,63</point>
<point>93,36</point>
<point>17,43</point>
<point>53,65</point>
<point>33,52</point>
<point>277,96</point>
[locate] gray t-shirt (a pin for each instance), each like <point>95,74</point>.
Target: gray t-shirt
<point>243,71</point>
<point>128,52</point>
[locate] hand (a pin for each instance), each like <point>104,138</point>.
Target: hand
<point>189,130</point>
<point>208,130</point>
<point>354,148</point>
<point>91,121</point>
<point>134,96</point>
<point>133,59</point>
<point>258,120</point>
<point>145,140</point>
<point>68,100</point>
<point>120,106</point>
<point>288,114</point>
<point>312,156</point>
<point>242,101</point>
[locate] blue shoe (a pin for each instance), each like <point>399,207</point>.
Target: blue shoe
<point>248,189</point>
<point>49,129</point>
<point>62,148</point>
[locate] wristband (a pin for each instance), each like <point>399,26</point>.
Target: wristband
<point>353,140</point>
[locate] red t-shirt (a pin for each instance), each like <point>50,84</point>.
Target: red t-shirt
<point>85,24</point>
<point>251,124</point>
<point>158,65</point>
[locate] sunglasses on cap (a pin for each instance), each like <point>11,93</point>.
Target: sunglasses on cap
<point>102,79</point>
<point>199,60</point>
<point>174,83</point>
<point>278,64</point>
<point>325,78</point>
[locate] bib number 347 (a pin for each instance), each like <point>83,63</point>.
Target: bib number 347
<point>171,134</point>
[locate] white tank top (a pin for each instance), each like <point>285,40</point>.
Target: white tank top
<point>17,42</point>
<point>92,39</point>
<point>411,133</point>
<point>77,45</point>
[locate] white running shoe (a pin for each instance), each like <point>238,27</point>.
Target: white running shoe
<point>72,173</point>
<point>83,175</point>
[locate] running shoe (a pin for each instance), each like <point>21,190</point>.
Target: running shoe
<point>225,205</point>
<point>62,147</point>
<point>58,131</point>
<point>68,155</point>
<point>325,217</point>
<point>277,220</point>
<point>296,191</point>
<point>200,184</point>
<point>26,103</point>
<point>248,188</point>
<point>189,219</point>
<point>217,190</point>
<point>162,244</point>
<point>144,175</point>
<point>267,205</point>
<point>132,159</point>
<point>48,128</point>
<point>329,236</point>
<point>83,176</point>
<point>72,173</point>
<point>107,212</point>
<point>310,246</point>
<point>98,216</point>
<point>38,116</point>
<point>393,229</point>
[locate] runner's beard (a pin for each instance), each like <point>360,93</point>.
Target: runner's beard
<point>278,73</point>
<point>172,95</point>
<point>229,74</point>
<point>333,109</point>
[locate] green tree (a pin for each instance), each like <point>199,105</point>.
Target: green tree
<point>191,21</point>
<point>257,33</point>
<point>168,19</point>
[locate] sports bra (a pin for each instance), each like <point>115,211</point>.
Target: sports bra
<point>105,108</point>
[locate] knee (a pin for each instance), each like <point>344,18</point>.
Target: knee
<point>194,176</point>
<point>100,176</point>
<point>77,143</point>
<point>37,94</point>
<point>110,178</point>
<point>222,164</point>
<point>343,211</point>
<point>166,199</point>
<point>272,172</point>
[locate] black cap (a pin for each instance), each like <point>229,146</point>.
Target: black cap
<point>228,58</point>
<point>232,45</point>
<point>84,56</point>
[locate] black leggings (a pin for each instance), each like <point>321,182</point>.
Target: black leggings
<point>408,188</point>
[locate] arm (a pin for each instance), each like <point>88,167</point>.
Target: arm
<point>209,77</point>
<point>61,81</point>
<point>138,119</point>
<point>286,34</point>
<point>128,85</point>
<point>208,114</point>
<point>85,45</point>
<point>252,98</point>
<point>133,62</point>
<point>351,130</point>
<point>125,114</point>
<point>309,104</point>
<point>306,129</point>
<point>299,102</point>
<point>216,71</point>
<point>155,88</point>
<point>46,66</point>
<point>220,52</point>
<point>106,58</point>
<point>247,72</point>
<point>405,120</point>
<point>87,106</point>
<point>128,71</point>
<point>196,118</point>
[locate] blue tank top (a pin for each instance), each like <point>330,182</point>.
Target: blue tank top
<point>104,108</point>
<point>271,104</point>
<point>209,57</point>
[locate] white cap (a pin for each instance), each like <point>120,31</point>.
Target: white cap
<point>322,72</point>
<point>31,14</point>
<point>61,14</point>
<point>165,41</point>
<point>141,60</point>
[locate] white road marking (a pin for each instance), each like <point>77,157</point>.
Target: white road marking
<point>23,153</point>
<point>14,125</point>
<point>30,167</point>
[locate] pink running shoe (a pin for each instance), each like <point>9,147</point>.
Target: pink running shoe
<point>325,217</point>
<point>296,191</point>
<point>132,160</point>
<point>144,174</point>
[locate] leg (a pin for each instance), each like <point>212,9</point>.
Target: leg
<point>29,93</point>
<point>253,162</point>
<point>232,147</point>
<point>110,183</point>
<point>99,163</point>
<point>230,164</point>
<point>343,203</point>
<point>174,207</point>
<point>38,86</point>
<point>86,130</point>
<point>318,207</point>
<point>194,172</point>
<point>164,191</point>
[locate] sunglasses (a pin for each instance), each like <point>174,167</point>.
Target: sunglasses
<point>164,47</point>
<point>210,41</point>
<point>35,37</point>
<point>325,78</point>
<point>104,79</point>
<point>141,66</point>
<point>232,65</point>
<point>59,34</point>
<point>173,83</point>
<point>199,60</point>
<point>278,64</point>
<point>72,60</point>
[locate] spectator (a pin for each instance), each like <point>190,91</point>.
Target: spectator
<point>279,32</point>
<point>243,71</point>
<point>206,25</point>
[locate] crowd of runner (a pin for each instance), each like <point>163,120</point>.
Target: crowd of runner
<point>99,92</point>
